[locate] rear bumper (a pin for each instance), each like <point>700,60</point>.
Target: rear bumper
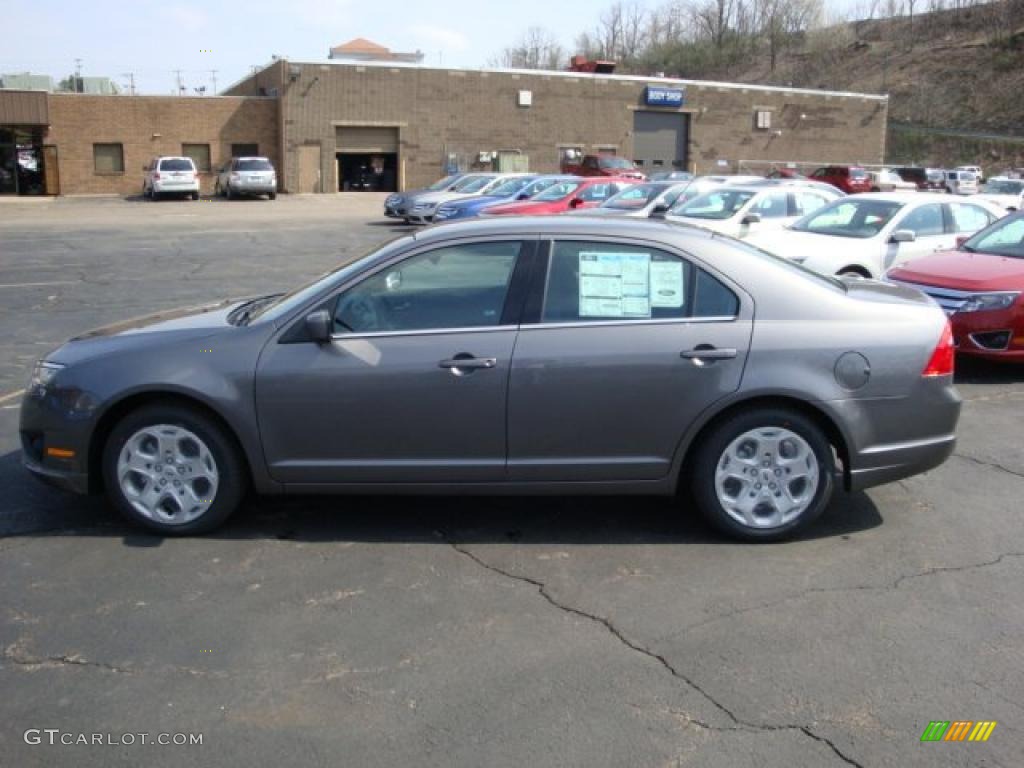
<point>161,187</point>
<point>253,189</point>
<point>888,463</point>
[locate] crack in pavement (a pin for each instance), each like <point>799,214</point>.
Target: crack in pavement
<point>740,723</point>
<point>11,654</point>
<point>990,464</point>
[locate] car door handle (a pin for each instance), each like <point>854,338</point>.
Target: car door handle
<point>704,352</point>
<point>463,362</point>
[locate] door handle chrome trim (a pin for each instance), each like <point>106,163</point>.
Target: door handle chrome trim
<point>708,353</point>
<point>471,363</point>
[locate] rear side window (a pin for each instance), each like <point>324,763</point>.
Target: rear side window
<point>590,281</point>
<point>969,218</point>
<point>176,164</point>
<point>925,221</point>
<point>713,298</point>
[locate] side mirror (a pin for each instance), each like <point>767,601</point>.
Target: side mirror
<point>523,196</point>
<point>318,324</point>
<point>961,239</point>
<point>659,211</point>
<point>576,202</point>
<point>752,218</point>
<point>904,236</point>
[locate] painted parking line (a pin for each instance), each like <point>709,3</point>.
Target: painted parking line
<point>11,395</point>
<point>31,285</point>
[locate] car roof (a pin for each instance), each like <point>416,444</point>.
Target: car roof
<point>896,197</point>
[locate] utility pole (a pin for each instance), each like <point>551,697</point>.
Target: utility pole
<point>213,77</point>
<point>78,76</point>
<point>177,77</point>
<point>131,82</point>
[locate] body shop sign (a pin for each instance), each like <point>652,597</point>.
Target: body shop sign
<point>656,96</point>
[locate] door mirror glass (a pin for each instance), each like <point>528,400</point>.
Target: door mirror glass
<point>576,202</point>
<point>393,281</point>
<point>752,218</point>
<point>659,211</point>
<point>904,236</point>
<point>318,324</point>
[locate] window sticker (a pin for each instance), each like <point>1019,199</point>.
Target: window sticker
<point>614,284</point>
<point>667,284</point>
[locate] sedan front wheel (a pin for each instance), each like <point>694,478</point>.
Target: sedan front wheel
<point>173,470</point>
<point>762,474</point>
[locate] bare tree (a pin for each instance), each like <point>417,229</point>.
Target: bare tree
<point>536,49</point>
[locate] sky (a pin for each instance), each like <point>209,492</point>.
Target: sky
<point>152,38</point>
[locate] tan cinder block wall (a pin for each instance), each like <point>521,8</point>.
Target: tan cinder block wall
<point>468,112</point>
<point>78,120</point>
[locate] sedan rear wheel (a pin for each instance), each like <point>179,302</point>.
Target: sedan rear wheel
<point>764,473</point>
<point>172,470</point>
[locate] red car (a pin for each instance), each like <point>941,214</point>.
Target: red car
<point>604,165</point>
<point>564,196</point>
<point>980,286</point>
<point>849,178</point>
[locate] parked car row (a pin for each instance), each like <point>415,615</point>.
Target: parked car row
<point>239,177</point>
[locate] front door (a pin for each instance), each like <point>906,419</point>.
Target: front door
<point>632,343</point>
<point>413,386</point>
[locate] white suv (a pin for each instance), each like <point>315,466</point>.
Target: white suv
<point>961,183</point>
<point>170,176</point>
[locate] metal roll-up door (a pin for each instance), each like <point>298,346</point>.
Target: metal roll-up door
<point>358,139</point>
<point>659,139</point>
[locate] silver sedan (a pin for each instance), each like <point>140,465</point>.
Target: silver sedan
<point>534,355</point>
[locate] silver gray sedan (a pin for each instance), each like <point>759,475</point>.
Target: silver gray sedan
<point>534,355</point>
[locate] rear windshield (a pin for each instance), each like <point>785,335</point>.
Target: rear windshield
<point>720,204</point>
<point>254,165</point>
<point>176,164</point>
<point>614,162</point>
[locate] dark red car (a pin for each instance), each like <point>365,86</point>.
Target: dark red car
<point>980,286</point>
<point>849,178</point>
<point>604,165</point>
<point>564,196</point>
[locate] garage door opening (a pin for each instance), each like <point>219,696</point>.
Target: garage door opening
<point>367,172</point>
<point>660,141</point>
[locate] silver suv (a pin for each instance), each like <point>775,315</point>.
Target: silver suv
<point>246,176</point>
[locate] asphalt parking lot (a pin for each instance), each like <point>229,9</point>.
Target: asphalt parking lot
<point>498,632</point>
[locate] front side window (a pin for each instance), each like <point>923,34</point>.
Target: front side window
<point>925,221</point>
<point>444,183</point>
<point>460,286</point>
<point>510,187</point>
<point>558,191</point>
<point>771,206</point>
<point>608,281</point>
<point>633,198</point>
<point>807,202</point>
<point>108,158</point>
<point>859,218</point>
<point>969,218</point>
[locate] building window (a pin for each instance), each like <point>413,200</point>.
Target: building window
<point>245,150</point>
<point>108,158</point>
<point>763,119</point>
<point>200,154</point>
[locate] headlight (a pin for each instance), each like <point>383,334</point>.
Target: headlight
<point>985,302</point>
<point>42,375</point>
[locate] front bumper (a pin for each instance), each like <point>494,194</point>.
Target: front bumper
<point>47,423</point>
<point>420,217</point>
<point>980,334</point>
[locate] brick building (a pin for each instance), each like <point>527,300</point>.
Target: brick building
<point>327,125</point>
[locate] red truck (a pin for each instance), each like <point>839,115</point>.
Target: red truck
<point>604,165</point>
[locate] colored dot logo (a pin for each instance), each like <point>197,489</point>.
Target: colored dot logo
<point>206,50</point>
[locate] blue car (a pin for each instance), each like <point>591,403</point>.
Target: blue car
<point>519,188</point>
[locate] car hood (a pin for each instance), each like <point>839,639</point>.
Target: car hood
<point>437,197</point>
<point>960,270</point>
<point>481,200</point>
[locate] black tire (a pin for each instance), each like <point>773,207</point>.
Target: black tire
<point>272,195</point>
<point>229,193</point>
<point>712,447</point>
<point>153,194</point>
<point>852,272</point>
<point>195,195</point>
<point>232,481</point>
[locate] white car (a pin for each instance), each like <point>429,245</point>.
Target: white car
<point>1005,192</point>
<point>170,175</point>
<point>961,182</point>
<point>740,210</point>
<point>975,169</point>
<point>423,207</point>
<point>884,180</point>
<point>866,234</point>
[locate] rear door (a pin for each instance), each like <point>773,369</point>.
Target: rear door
<point>623,345</point>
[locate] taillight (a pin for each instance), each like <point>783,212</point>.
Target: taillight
<point>941,361</point>
<point>156,177</point>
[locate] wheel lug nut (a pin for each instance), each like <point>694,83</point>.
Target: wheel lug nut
<point>757,486</point>
<point>778,472</point>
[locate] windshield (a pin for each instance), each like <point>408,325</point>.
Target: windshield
<point>858,173</point>
<point>298,296</point>
<point>614,162</point>
<point>510,187</point>
<point>632,198</point>
<point>1004,238</point>
<point>1004,187</point>
<point>442,184</point>
<point>558,191</point>
<point>176,164</point>
<point>860,218</point>
<point>719,204</point>
<point>253,165</point>
<point>473,184</point>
